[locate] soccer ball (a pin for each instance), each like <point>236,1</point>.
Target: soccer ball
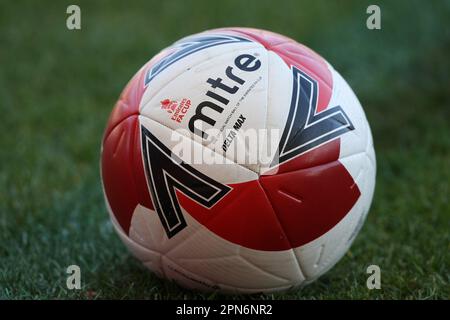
<point>238,160</point>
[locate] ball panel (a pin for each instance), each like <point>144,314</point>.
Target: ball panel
<point>197,60</point>
<point>310,201</point>
<point>201,258</point>
<point>321,254</point>
<point>150,258</point>
<point>122,171</point>
<point>194,92</point>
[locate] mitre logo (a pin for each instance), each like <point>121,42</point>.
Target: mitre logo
<point>175,108</point>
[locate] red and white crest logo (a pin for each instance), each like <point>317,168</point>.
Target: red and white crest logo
<point>177,109</point>
<point>168,105</point>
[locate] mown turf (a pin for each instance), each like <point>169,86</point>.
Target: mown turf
<point>57,88</point>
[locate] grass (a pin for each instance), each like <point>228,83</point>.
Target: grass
<point>57,88</point>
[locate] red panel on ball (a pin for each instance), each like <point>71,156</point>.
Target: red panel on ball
<point>244,216</point>
<point>122,171</point>
<point>309,202</point>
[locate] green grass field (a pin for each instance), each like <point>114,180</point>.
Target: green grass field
<point>57,88</point>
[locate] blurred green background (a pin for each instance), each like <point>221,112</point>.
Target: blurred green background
<point>57,88</point>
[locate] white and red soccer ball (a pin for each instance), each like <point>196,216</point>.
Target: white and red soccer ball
<point>227,224</point>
